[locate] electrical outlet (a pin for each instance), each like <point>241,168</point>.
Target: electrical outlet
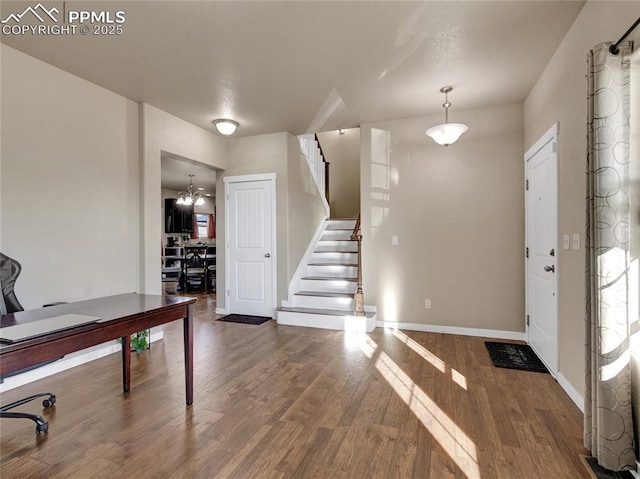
<point>427,304</point>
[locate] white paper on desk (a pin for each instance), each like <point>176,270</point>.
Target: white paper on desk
<point>33,329</point>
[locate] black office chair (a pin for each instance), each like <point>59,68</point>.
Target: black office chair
<point>9,271</point>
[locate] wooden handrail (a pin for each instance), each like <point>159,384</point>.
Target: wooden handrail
<point>358,297</point>
<point>326,180</point>
<point>356,229</point>
<point>326,168</point>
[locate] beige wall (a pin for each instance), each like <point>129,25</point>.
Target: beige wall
<point>343,154</point>
<point>249,156</point>
<point>560,95</point>
<point>305,208</point>
<point>458,213</point>
<point>70,184</point>
<point>298,204</point>
<point>160,132</point>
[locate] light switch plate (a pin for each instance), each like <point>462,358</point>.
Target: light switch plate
<point>394,240</point>
<point>575,242</point>
<point>565,242</point>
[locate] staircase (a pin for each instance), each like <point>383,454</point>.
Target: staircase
<point>325,298</point>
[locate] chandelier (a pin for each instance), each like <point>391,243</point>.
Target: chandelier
<point>190,197</point>
<point>446,133</point>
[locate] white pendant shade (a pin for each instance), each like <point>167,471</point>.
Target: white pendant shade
<point>226,127</point>
<point>446,133</point>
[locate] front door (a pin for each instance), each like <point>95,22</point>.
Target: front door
<point>251,258</point>
<point>542,251</point>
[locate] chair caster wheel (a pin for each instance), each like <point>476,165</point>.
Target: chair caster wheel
<point>46,403</point>
<point>42,427</point>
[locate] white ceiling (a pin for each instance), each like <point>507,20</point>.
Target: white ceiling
<point>306,66</point>
<point>175,172</point>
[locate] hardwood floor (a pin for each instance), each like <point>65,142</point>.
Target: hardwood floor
<point>275,401</point>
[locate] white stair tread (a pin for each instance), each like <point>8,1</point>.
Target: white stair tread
<point>333,264</point>
<point>329,278</point>
<point>332,251</point>
<point>326,312</point>
<point>325,294</point>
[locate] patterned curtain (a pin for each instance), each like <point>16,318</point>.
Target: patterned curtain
<point>195,234</point>
<point>608,427</point>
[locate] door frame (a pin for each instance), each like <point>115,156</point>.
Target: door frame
<point>551,135</point>
<point>227,180</point>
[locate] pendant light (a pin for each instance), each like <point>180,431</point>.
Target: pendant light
<point>190,197</point>
<point>446,133</point>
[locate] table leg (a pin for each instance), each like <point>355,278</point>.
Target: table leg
<point>188,353</point>
<point>126,363</point>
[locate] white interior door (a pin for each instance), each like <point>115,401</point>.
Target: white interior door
<point>542,250</point>
<point>250,246</point>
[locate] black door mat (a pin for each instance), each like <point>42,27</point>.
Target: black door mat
<point>514,356</point>
<point>596,471</point>
<point>244,319</point>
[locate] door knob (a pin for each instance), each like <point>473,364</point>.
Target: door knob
<point>550,269</point>
<point>267,255</point>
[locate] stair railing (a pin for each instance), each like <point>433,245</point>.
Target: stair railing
<point>319,166</point>
<point>358,297</point>
<point>325,173</point>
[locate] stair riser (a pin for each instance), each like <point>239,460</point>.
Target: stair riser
<point>332,257</point>
<point>343,304</point>
<point>341,224</point>
<point>344,246</point>
<point>334,286</point>
<point>335,235</point>
<point>341,323</point>
<point>334,271</point>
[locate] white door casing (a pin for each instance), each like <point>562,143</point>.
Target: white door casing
<point>541,225</point>
<point>250,260</point>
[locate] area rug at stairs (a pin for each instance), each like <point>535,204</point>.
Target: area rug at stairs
<point>514,356</point>
<point>244,319</point>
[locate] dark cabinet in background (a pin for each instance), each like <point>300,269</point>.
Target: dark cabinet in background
<point>177,218</point>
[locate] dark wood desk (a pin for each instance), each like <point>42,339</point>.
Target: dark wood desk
<point>121,316</point>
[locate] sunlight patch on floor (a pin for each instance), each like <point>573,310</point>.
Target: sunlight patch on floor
<point>453,440</point>
<point>459,379</point>
<point>431,358</point>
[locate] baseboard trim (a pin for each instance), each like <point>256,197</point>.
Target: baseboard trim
<point>221,311</point>
<point>572,392</point>
<point>69,361</point>
<point>433,328</point>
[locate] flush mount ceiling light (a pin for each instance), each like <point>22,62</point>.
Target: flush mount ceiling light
<point>446,133</point>
<point>190,197</point>
<point>225,126</point>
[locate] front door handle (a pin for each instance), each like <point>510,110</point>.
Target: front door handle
<point>267,255</point>
<point>550,269</point>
